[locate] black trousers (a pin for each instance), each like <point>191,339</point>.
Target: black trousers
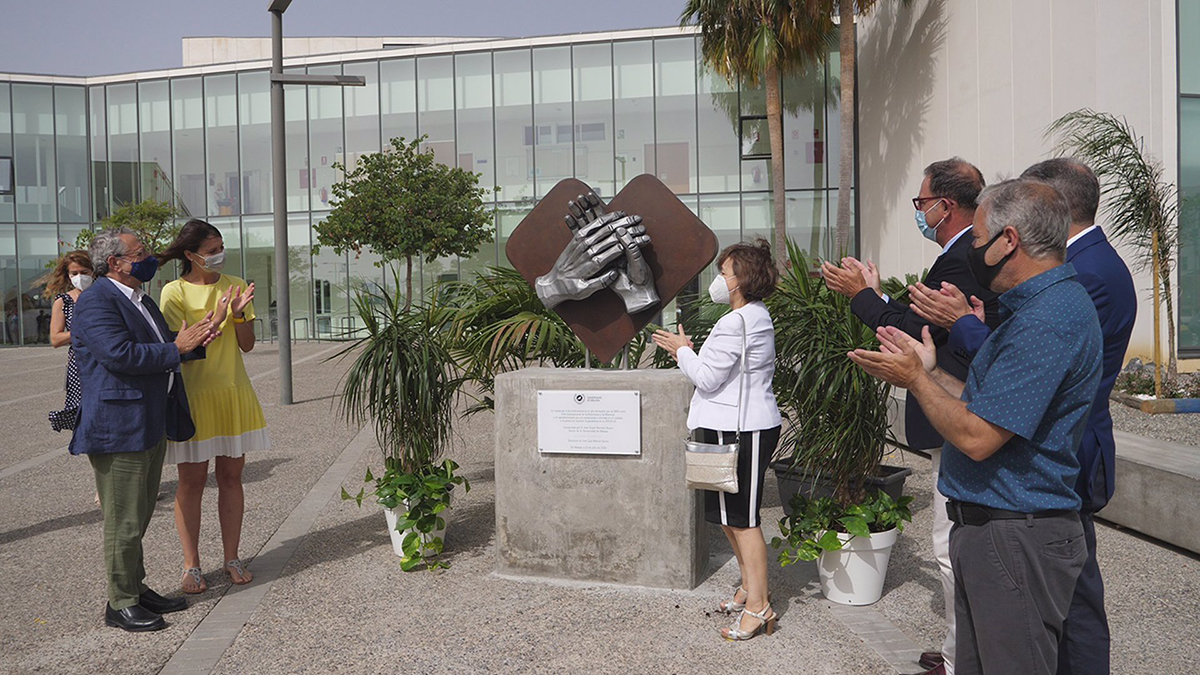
<point>1086,642</point>
<point>1013,584</point>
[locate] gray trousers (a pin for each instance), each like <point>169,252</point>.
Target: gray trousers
<point>1013,582</point>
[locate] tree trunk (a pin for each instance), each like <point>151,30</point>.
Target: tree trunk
<point>1155,271</point>
<point>775,130</point>
<point>408,283</point>
<point>847,50</point>
<point>1172,363</point>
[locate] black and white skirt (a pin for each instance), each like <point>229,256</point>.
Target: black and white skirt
<point>741,509</point>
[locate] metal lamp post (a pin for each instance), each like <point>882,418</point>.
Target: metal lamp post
<point>283,307</point>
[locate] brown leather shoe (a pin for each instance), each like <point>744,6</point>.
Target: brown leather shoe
<point>939,669</point>
<point>931,659</point>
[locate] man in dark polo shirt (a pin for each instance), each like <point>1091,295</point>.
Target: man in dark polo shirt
<point>1009,465</point>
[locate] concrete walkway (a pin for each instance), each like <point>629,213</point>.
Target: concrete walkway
<point>329,595</point>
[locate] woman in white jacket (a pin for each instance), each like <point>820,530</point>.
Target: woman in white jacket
<point>747,276</point>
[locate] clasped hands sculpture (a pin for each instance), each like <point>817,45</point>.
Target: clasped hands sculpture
<point>605,251</point>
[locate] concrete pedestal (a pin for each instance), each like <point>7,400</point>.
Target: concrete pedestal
<point>617,519</point>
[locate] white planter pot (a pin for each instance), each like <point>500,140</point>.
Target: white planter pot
<point>393,515</point>
<point>855,574</point>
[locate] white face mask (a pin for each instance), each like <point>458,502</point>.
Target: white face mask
<point>81,281</point>
<point>719,290</point>
<point>214,262</point>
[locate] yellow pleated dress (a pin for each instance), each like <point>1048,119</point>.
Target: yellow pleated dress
<point>228,417</point>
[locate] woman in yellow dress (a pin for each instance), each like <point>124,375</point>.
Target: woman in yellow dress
<point>229,420</point>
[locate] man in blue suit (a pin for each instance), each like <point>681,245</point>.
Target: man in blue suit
<point>133,401</point>
<point>1084,648</point>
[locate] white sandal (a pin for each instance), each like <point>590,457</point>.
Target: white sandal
<point>239,567</point>
<point>767,617</point>
<point>731,606</point>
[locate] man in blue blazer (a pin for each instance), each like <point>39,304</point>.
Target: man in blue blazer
<point>133,401</point>
<point>1085,643</point>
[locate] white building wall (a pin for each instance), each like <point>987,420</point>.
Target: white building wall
<point>983,79</point>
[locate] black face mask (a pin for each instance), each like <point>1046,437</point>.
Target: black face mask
<point>984,273</point>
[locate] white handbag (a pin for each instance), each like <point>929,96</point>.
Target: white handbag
<point>713,466</point>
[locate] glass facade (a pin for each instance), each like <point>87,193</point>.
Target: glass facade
<point>523,118</point>
<point>1189,178</point>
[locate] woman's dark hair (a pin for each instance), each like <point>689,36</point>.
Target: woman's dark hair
<point>753,267</point>
<point>190,238</point>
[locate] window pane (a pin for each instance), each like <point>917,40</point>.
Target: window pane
<point>33,152</point>
<point>9,286</point>
<point>38,245</point>
<point>832,121</point>
<point>325,136</point>
<point>633,82</point>
<point>123,143</point>
<point>723,215</point>
<point>187,110</point>
<point>362,112</point>
<point>508,217</point>
<point>594,117</point>
<point>804,136</point>
<point>254,113</point>
<point>7,213</point>
<point>808,222</point>
<point>299,175</point>
<point>220,135</point>
<point>260,270</point>
<point>758,218</point>
<point>100,169</point>
<point>552,133</point>
<point>330,282</point>
<point>718,132</point>
<point>473,93</point>
<point>1189,46</point>
<point>514,125</point>
<point>675,110</point>
<point>435,106</point>
<point>398,111</point>
<point>74,201</point>
<point>154,100</point>
<point>1189,223</point>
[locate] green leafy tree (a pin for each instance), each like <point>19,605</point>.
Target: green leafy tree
<point>153,221</point>
<point>1142,208</point>
<point>402,204</point>
<point>749,40</point>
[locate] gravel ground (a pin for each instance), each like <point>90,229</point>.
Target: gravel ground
<point>1183,428</point>
<point>343,604</point>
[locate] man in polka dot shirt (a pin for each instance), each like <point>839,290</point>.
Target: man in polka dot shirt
<point>1009,466</point>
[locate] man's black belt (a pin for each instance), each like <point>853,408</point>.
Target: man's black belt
<point>974,514</point>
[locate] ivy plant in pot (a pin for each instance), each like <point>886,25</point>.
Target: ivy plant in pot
<point>851,543</point>
<point>404,382</point>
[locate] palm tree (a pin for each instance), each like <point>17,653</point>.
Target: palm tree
<point>1142,209</point>
<point>745,40</point>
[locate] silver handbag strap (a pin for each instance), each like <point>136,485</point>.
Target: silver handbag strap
<point>742,379</point>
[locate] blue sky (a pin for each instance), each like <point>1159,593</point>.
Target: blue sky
<point>96,37</point>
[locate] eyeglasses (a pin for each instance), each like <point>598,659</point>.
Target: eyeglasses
<point>917,201</point>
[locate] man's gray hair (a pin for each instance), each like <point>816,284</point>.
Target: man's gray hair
<point>1038,212</point>
<point>107,244</point>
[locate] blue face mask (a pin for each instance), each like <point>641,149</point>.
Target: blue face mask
<point>927,231</point>
<point>144,270</point>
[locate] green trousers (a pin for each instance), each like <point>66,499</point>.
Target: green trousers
<point>128,486</point>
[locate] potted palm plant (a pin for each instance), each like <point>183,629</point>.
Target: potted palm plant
<point>835,490</point>
<point>403,381</point>
<point>837,415</point>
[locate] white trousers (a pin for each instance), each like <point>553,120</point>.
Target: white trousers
<point>941,551</point>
